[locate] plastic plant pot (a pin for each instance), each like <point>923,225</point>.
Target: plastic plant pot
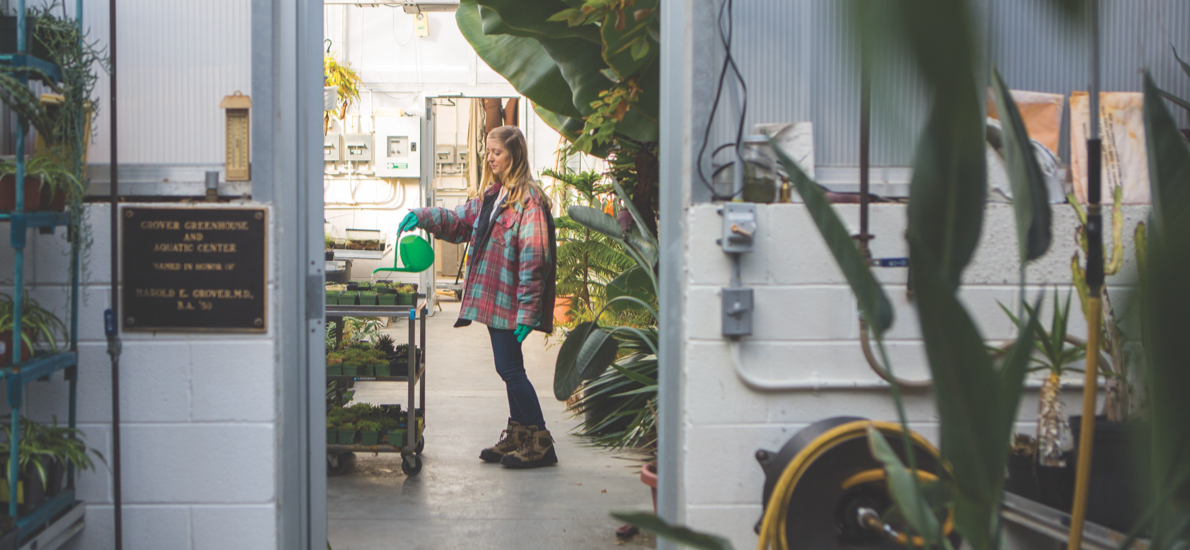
<point>365,369</point>
<point>332,297</point>
<point>648,476</point>
<point>334,370</point>
<point>386,299</point>
<point>367,298</point>
<point>396,438</point>
<point>350,369</point>
<point>369,438</point>
<point>348,298</point>
<point>405,299</point>
<point>346,437</point>
<point>384,370</point>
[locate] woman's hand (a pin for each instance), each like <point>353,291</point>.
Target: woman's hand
<point>409,223</point>
<point>522,331</point>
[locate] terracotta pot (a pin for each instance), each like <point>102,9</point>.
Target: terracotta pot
<point>8,193</point>
<point>648,476</point>
<point>52,201</point>
<point>6,356</point>
<point>562,309</point>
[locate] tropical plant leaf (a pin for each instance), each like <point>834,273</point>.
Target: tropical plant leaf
<point>532,20</point>
<point>596,220</point>
<point>522,61</point>
<point>1030,200</point>
<point>635,283</point>
<point>872,301</point>
<point>903,487</point>
<point>975,403</point>
<point>582,66</point>
<point>949,187</point>
<point>574,358</point>
<point>1169,163</point>
<point>1166,298</point>
<point>658,526</point>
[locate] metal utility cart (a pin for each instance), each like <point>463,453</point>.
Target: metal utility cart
<point>415,378</point>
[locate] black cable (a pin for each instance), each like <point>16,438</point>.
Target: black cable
<point>728,62</point>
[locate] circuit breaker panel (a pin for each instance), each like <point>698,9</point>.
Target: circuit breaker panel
<point>397,151</point>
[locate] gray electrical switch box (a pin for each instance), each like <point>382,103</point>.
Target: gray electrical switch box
<point>737,312</point>
<point>332,147</point>
<point>357,147</point>
<point>739,227</point>
<point>461,155</point>
<point>444,155</point>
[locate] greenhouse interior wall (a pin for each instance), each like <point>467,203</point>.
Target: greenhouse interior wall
<point>800,65</point>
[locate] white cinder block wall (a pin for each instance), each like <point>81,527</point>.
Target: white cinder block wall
<point>806,330</point>
<point>198,415</point>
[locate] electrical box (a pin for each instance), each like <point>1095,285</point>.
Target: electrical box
<point>444,156</point>
<point>397,141</point>
<point>357,147</point>
<point>461,156</point>
<point>332,147</point>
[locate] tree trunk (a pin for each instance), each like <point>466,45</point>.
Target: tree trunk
<point>646,181</point>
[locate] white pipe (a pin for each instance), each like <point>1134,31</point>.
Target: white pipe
<point>818,384</point>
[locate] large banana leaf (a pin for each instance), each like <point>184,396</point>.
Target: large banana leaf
<point>633,283</point>
<point>976,402</point>
<point>872,301</point>
<point>570,128</point>
<point>582,66</point>
<point>1166,301</point>
<point>523,61</point>
<point>529,19</point>
<point>1030,200</point>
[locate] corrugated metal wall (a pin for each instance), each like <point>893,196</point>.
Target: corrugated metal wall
<point>177,60</point>
<point>801,63</point>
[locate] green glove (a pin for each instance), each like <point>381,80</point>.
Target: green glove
<point>521,332</point>
<point>409,223</point>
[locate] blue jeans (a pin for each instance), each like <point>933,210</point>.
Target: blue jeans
<point>523,406</point>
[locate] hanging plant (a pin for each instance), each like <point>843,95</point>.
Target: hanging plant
<point>344,77</point>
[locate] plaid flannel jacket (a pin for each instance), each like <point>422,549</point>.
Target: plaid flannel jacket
<point>510,280</point>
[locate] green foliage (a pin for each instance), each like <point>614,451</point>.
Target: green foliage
<point>1055,354</point>
<point>368,426</point>
<point>343,76</point>
<point>1165,300</point>
<point>621,402</point>
<point>41,444</point>
<point>37,323</point>
<point>591,70</point>
<point>360,330</point>
<point>658,526</point>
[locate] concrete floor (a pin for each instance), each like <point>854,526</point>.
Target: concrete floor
<point>457,501</point>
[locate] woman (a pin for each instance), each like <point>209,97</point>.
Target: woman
<point>510,280</point>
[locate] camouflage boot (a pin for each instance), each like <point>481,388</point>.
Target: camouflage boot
<point>510,440</point>
<point>537,450</point>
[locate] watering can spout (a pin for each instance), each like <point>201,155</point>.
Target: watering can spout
<point>414,253</point>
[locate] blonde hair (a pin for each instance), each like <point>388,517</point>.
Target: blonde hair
<point>517,181</point>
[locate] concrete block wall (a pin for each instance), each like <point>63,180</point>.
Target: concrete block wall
<point>806,330</point>
<point>198,416</point>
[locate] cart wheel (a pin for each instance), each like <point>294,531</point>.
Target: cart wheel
<point>337,464</point>
<point>421,445</point>
<point>411,465</point>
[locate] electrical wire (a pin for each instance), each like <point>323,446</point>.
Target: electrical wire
<point>728,62</point>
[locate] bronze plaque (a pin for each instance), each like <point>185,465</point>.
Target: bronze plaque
<point>194,269</point>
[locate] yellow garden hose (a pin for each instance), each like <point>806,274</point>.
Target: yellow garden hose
<point>773,524</point>
<point>1087,429</point>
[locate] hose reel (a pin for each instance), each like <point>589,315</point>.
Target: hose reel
<point>823,490</point>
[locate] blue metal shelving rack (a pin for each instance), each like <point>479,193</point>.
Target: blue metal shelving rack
<point>22,371</point>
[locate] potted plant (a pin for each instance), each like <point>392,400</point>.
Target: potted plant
<point>369,432</point>
<point>396,436</point>
<point>346,433</point>
<point>406,295</point>
<point>367,296</point>
<point>38,325</point>
<point>386,295</point>
<point>334,363</point>
<point>349,298</point>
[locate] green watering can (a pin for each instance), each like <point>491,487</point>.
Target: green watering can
<point>416,255</point>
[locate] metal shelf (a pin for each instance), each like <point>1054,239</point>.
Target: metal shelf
<point>37,368</point>
<point>421,371</point>
<point>65,525</point>
<point>26,60</point>
<point>1055,524</point>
